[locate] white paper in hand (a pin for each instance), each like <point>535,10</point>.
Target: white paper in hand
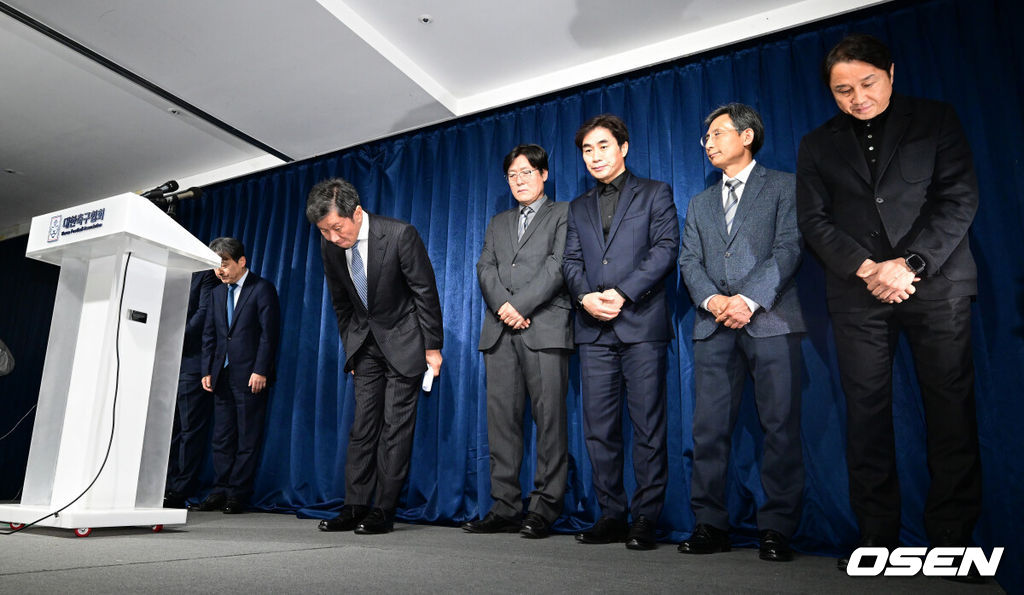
<point>428,379</point>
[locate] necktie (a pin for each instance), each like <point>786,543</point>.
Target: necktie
<point>358,273</point>
<point>524,221</point>
<point>231,311</point>
<point>730,203</point>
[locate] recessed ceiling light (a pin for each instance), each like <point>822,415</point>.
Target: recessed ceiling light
<point>426,19</point>
<point>13,172</point>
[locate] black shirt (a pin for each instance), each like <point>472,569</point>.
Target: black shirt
<point>608,198</point>
<point>869,134</point>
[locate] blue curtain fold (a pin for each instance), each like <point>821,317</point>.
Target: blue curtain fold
<point>447,181</point>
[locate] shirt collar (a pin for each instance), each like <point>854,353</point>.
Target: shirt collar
<point>241,280</point>
<point>535,205</point>
<point>744,173</point>
<point>617,183</point>
<point>364,228</point>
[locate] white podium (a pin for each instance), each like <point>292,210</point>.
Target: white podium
<point>116,335</point>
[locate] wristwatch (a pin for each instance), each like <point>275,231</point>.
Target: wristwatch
<point>915,262</point>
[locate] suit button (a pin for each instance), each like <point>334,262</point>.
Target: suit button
<point>875,234</point>
<point>513,264</point>
<point>722,281</point>
<point>728,254</point>
<point>604,261</point>
<point>879,199</point>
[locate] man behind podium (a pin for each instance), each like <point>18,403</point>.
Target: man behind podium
<point>239,354</point>
<point>389,317</point>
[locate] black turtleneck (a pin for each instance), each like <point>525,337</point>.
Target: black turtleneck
<point>608,197</point>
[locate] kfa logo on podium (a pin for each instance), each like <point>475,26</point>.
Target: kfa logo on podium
<point>908,561</point>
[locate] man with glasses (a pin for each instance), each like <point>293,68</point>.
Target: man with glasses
<point>526,339</point>
<point>886,193</point>
<point>741,249</point>
<point>622,241</point>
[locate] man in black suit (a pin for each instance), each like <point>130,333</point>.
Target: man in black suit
<point>239,355</point>
<point>741,249</point>
<point>526,339</point>
<point>621,243</point>
<point>389,317</point>
<point>886,193</point>
<point>193,406</point>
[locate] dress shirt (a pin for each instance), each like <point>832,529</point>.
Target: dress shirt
<point>742,177</point>
<point>361,238</point>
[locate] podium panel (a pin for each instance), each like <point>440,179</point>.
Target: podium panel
<point>102,432</point>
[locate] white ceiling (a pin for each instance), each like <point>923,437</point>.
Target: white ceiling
<point>298,78</point>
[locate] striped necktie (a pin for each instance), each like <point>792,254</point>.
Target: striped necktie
<point>731,201</point>
<point>358,273</point>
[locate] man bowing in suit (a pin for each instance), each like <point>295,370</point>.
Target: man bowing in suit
<point>526,340</point>
<point>239,355</point>
<point>389,317</point>
<point>741,248</point>
<point>886,193</point>
<point>621,242</point>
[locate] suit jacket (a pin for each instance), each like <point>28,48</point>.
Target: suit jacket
<point>528,275</point>
<point>641,250</point>
<point>403,309</point>
<point>757,259</point>
<point>250,343</point>
<point>922,202</point>
<point>202,285</point>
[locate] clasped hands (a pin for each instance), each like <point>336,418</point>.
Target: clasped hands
<point>890,281</point>
<point>732,311</point>
<point>604,305</point>
<point>511,317</point>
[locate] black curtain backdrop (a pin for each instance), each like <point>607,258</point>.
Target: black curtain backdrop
<point>447,181</point>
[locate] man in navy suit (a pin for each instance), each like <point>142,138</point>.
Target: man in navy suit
<point>389,318</point>
<point>193,406</point>
<point>621,242</point>
<point>741,249</point>
<point>886,193</point>
<point>239,356</point>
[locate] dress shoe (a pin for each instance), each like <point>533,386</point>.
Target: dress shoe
<point>173,499</point>
<point>348,519</point>
<point>866,541</point>
<point>234,506</point>
<point>534,526</point>
<point>491,523</point>
<point>775,547</point>
<point>213,502</point>
<point>706,539</point>
<point>641,535</point>
<point>949,538</point>
<point>376,523</point>
<point>605,530</point>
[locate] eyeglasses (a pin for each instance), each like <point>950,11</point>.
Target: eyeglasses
<point>526,174</point>
<point>714,134</point>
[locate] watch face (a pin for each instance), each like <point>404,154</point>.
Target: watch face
<point>915,262</point>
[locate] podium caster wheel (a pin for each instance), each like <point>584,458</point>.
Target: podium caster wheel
<point>83,532</point>
<point>158,528</point>
<point>17,526</point>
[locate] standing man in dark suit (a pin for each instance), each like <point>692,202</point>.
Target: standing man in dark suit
<point>389,317</point>
<point>622,241</point>
<point>886,193</point>
<point>239,356</point>
<point>526,339</point>
<point>193,406</point>
<point>741,248</point>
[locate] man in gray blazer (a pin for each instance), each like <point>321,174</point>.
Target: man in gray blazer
<point>526,339</point>
<point>741,248</point>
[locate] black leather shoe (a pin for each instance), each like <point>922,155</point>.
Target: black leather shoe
<point>213,502</point>
<point>949,538</point>
<point>234,506</point>
<point>605,530</point>
<point>641,535</point>
<point>491,523</point>
<point>706,539</point>
<point>173,499</point>
<point>348,519</point>
<point>866,541</point>
<point>376,523</point>
<point>534,526</point>
<point>775,547</point>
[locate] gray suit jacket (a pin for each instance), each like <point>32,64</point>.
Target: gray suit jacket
<point>528,275</point>
<point>758,259</point>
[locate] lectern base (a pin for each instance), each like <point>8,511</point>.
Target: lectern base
<point>18,514</point>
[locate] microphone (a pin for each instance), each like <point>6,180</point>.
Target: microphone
<point>193,192</point>
<point>161,190</point>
